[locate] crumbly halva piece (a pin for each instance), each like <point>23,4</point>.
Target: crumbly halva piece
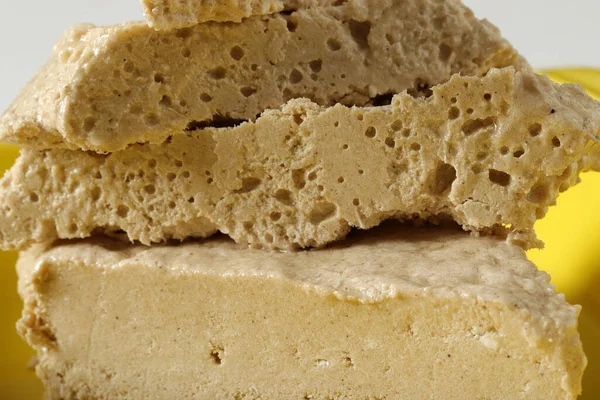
<point>107,87</point>
<point>174,14</point>
<point>394,313</point>
<point>486,152</point>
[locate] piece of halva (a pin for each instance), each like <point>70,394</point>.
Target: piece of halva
<point>489,153</point>
<point>389,314</point>
<point>174,14</point>
<point>105,88</point>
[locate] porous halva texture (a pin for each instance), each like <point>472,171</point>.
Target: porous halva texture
<point>487,152</point>
<point>107,87</point>
<point>389,314</point>
<point>173,14</point>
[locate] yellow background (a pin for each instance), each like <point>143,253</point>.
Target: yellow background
<point>572,256</point>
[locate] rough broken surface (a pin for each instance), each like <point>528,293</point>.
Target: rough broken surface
<point>394,313</point>
<point>487,153</point>
<point>107,87</point>
<point>173,14</point>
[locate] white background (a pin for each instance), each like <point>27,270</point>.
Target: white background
<point>549,33</point>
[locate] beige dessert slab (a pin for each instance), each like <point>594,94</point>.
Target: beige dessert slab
<point>107,87</point>
<point>489,153</point>
<point>173,14</point>
<point>395,314</point>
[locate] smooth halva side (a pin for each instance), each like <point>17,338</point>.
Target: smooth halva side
<point>489,153</point>
<point>105,88</point>
<point>394,313</point>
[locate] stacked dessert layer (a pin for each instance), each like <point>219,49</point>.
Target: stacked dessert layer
<point>105,88</point>
<point>491,153</point>
<point>392,313</point>
<point>181,14</point>
<point>283,125</point>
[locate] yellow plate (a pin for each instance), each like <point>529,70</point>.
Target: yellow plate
<point>572,257</point>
